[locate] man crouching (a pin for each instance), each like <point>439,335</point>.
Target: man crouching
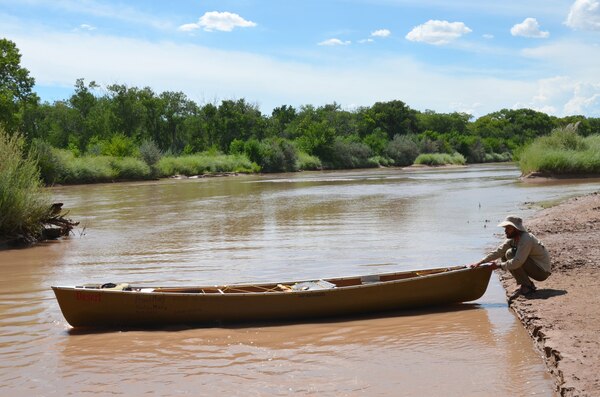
<point>522,254</point>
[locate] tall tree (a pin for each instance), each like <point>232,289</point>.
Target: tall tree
<point>394,118</point>
<point>15,87</point>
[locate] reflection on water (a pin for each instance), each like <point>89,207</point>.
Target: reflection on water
<point>269,228</point>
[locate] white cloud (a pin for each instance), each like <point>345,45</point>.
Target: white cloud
<point>85,26</point>
<point>529,28</point>
<point>438,32</point>
<point>584,15</point>
<point>488,36</point>
<point>563,95</point>
<point>381,33</point>
<point>334,42</point>
<point>363,41</point>
<point>221,21</point>
<point>188,27</point>
<point>568,57</point>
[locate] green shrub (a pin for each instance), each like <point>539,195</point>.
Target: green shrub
<point>402,150</point>
<point>150,152</point>
<point>308,162</point>
<point>437,159</point>
<point>377,141</point>
<point>277,155</point>
<point>346,155</point>
<point>497,157</point>
<point>382,161</point>
<point>118,145</point>
<point>49,161</point>
<point>130,168</point>
<point>23,202</point>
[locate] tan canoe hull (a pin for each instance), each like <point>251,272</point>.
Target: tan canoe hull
<point>108,308</point>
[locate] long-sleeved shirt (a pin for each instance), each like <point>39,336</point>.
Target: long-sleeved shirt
<point>528,247</point>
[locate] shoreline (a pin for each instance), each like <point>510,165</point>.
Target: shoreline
<point>563,315</point>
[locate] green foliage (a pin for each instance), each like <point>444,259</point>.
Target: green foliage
<point>150,152</point>
<point>49,161</point>
<point>402,150</point>
<point>130,168</point>
<point>16,87</point>
<point>86,169</point>
<point>437,159</point>
<point>119,145</point>
<point>349,154</point>
<point>203,163</point>
<point>317,139</point>
<point>277,155</point>
<point>236,146</point>
<point>497,157</point>
<point>23,202</point>
<point>516,127</point>
<point>393,118</point>
<point>308,162</point>
<point>63,167</point>
<point>444,123</point>
<point>272,154</point>
<point>377,141</point>
<point>562,152</point>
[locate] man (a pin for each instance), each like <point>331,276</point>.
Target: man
<point>522,254</point>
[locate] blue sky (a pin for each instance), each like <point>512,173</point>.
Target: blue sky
<point>471,56</point>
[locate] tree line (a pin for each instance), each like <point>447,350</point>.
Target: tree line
<point>119,120</point>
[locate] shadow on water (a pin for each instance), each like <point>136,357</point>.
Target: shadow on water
<point>452,308</point>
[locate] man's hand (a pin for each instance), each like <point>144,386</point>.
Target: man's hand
<point>494,265</point>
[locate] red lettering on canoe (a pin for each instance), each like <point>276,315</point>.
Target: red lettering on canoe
<point>87,297</point>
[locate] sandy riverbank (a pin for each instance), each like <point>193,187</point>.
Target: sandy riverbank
<point>563,315</point>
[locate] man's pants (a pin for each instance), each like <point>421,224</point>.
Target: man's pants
<point>529,269</point>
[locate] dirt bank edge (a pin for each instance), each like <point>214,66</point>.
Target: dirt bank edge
<point>563,316</point>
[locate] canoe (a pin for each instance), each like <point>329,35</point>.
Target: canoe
<point>124,305</point>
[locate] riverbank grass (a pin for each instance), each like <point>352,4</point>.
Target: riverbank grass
<point>563,152</point>
<point>24,204</point>
<point>205,163</point>
<point>438,159</point>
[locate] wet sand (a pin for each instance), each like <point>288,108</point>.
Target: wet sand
<point>563,315</point>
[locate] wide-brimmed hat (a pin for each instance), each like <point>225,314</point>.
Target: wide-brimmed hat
<point>513,221</point>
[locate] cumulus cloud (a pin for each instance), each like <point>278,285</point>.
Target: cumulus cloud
<point>529,28</point>
<point>334,42</point>
<point>564,95</point>
<point>438,32</point>
<point>584,15</point>
<point>221,21</point>
<point>381,33</point>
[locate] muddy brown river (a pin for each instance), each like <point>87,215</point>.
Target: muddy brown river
<point>267,228</point>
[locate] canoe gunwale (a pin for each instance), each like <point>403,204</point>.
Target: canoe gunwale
<point>170,291</point>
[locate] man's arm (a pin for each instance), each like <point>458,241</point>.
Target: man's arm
<point>496,254</point>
